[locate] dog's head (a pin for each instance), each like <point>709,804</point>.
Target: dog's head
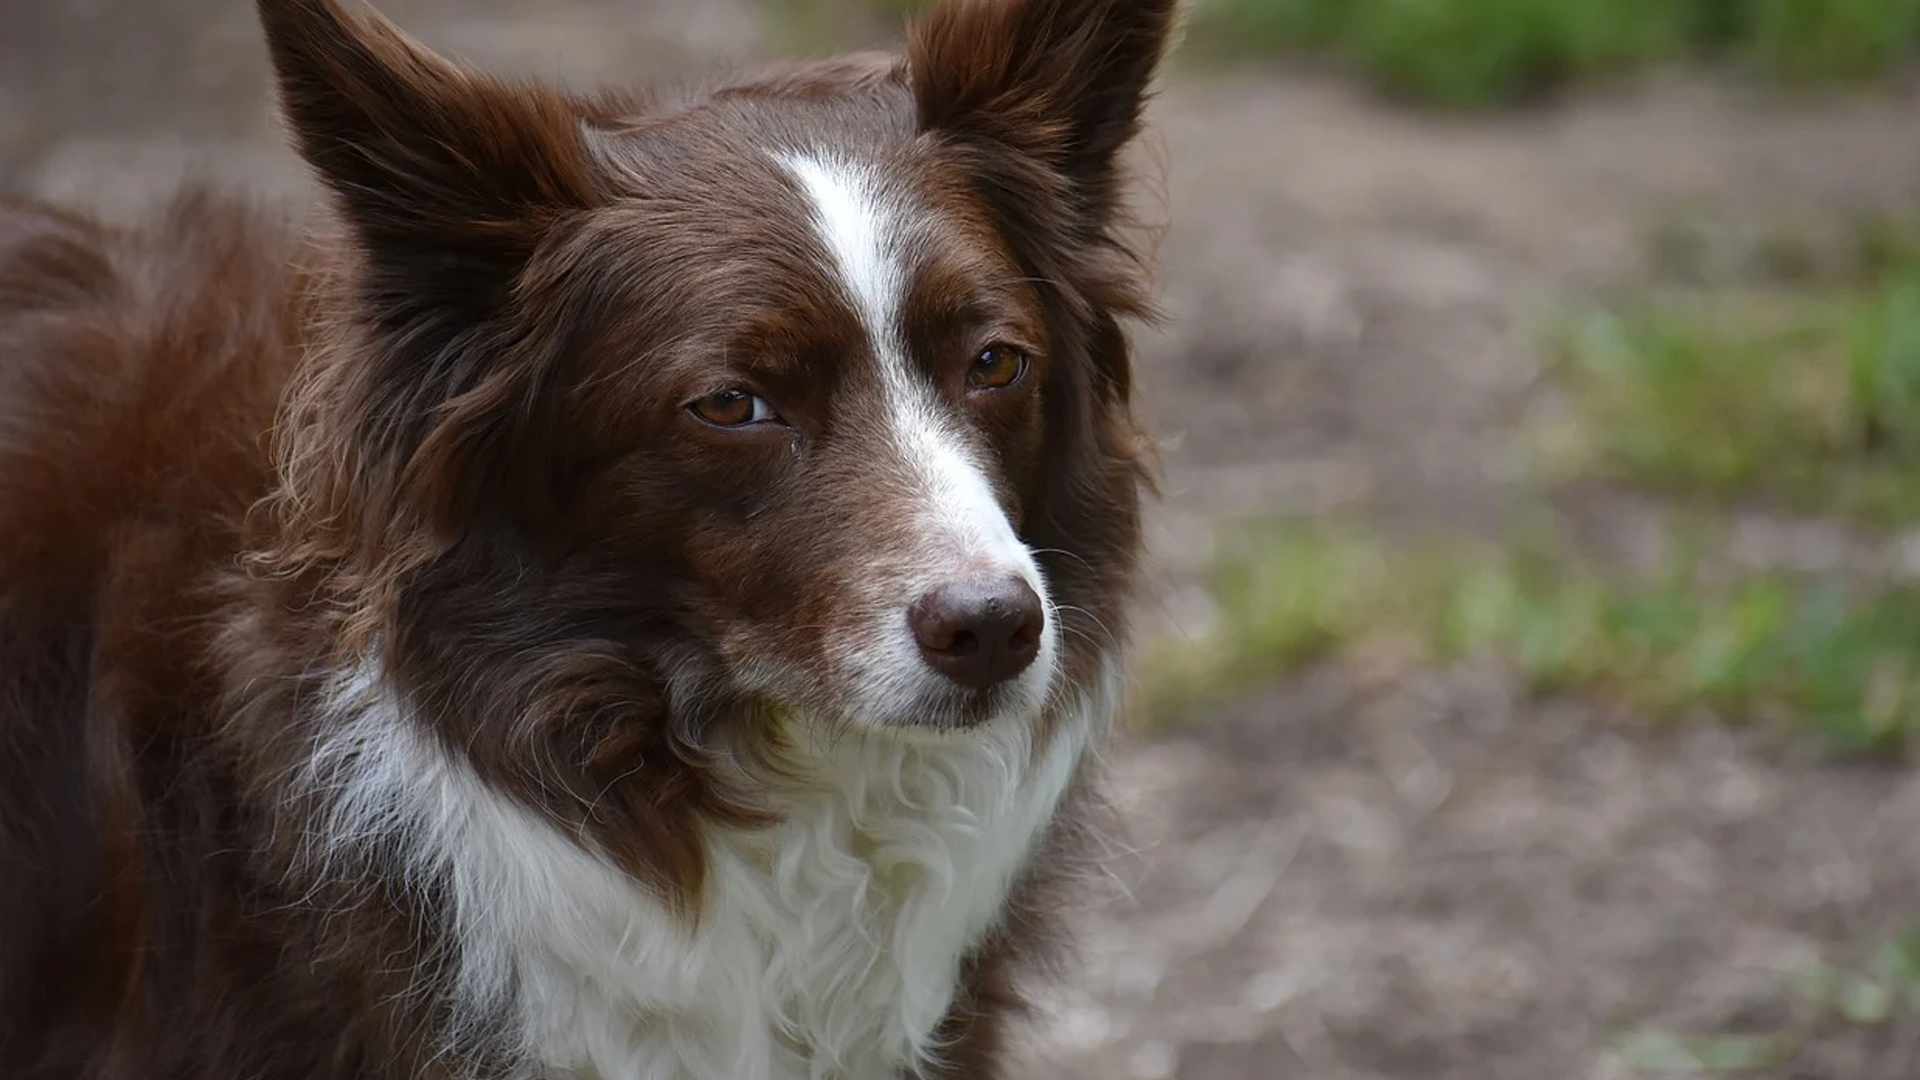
<point>810,390</point>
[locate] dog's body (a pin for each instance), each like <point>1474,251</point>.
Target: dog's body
<point>635,604</point>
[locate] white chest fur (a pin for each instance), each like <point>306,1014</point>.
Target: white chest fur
<point>828,947</point>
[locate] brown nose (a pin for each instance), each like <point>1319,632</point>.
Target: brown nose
<point>979,631</point>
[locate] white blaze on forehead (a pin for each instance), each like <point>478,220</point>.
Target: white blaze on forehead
<point>868,229</point>
<point>863,232</point>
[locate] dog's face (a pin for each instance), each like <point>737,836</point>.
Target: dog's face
<point>833,369</point>
<point>815,382</point>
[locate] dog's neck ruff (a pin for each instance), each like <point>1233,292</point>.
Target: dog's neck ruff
<point>826,947</point>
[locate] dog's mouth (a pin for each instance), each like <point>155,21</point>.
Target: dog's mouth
<point>894,689</point>
<point>970,657</point>
<point>957,712</point>
<point>901,649</point>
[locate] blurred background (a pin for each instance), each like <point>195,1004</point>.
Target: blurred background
<point>1530,670</point>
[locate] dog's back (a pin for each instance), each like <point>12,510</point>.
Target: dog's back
<point>135,365</point>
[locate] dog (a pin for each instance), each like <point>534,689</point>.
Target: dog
<point>633,592</point>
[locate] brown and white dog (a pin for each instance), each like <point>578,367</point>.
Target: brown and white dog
<point>633,602</point>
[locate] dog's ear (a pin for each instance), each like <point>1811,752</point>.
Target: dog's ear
<point>448,177</point>
<point>1060,81</point>
<point>449,181</point>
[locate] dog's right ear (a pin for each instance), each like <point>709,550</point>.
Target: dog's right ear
<point>1062,82</point>
<point>448,177</point>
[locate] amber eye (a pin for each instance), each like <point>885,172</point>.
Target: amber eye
<point>997,367</point>
<point>733,409</point>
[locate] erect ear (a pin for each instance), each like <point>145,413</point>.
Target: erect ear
<point>450,181</point>
<point>1061,80</point>
<point>447,176</point>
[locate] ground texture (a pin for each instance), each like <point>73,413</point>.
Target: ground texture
<point>1371,870</point>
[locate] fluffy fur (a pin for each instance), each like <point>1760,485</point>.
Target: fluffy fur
<point>474,638</point>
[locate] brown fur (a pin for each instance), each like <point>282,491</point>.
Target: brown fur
<point>230,460</point>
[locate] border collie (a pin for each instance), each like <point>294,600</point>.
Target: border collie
<point>630,596</point>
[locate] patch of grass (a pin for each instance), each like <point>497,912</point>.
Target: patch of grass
<point>1882,991</point>
<point>1294,598</point>
<point>1456,53</point>
<point>1840,664</point>
<point>1266,26</point>
<point>1479,53</point>
<point>1691,249</point>
<point>1888,985</point>
<point>1473,54</point>
<point>1826,39</point>
<point>1807,398</point>
<point>822,26</point>
<point>1662,1052</point>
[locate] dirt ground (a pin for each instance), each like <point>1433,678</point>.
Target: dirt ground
<point>1360,872</point>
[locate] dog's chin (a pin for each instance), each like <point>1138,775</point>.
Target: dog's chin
<point>944,714</point>
<point>951,713</point>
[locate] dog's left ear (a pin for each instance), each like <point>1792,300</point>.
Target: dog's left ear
<point>450,181</point>
<point>449,177</point>
<point>1060,81</point>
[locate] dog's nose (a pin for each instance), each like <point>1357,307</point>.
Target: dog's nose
<point>979,632</point>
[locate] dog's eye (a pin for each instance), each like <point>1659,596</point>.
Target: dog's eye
<point>997,367</point>
<point>733,409</point>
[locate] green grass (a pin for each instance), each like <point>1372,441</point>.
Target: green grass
<point>1883,990</point>
<point>1480,53</point>
<point>1804,398</point>
<point>1839,663</point>
<point>1824,39</point>
<point>1786,375</point>
<point>1888,985</point>
<point>1854,250</point>
<point>1472,54</point>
